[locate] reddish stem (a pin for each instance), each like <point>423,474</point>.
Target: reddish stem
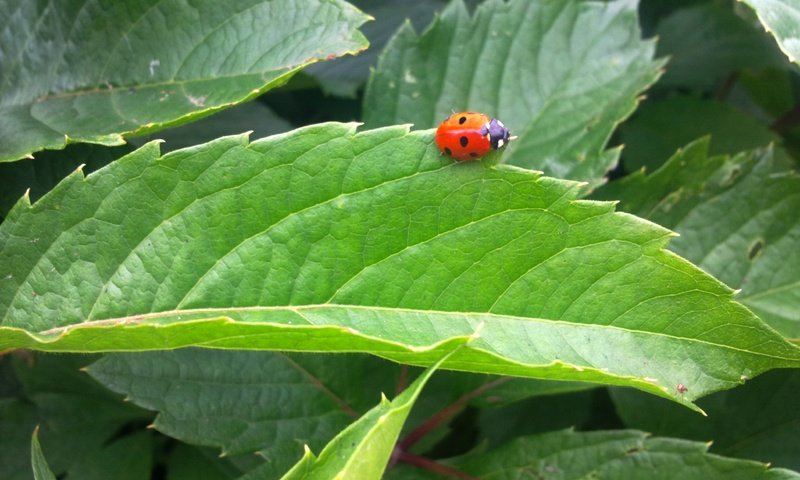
<point>402,380</point>
<point>446,414</point>
<point>433,466</point>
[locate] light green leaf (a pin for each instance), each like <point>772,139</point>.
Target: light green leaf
<point>759,420</point>
<point>622,454</point>
<point>780,18</point>
<point>363,449</point>
<point>41,471</point>
<point>739,219</point>
<point>560,75</point>
<point>661,127</point>
<point>327,240</point>
<point>145,73</point>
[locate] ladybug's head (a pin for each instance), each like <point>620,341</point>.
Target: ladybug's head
<point>499,135</point>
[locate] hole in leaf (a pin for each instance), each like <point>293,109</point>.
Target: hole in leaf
<point>755,249</point>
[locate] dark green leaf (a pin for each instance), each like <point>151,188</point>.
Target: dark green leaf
<point>625,454</point>
<point>248,401</point>
<point>129,458</point>
<point>254,117</point>
<point>707,42</point>
<point>38,175</point>
<point>18,419</point>
<point>191,463</point>
<point>95,72</point>
<point>780,18</point>
<point>344,76</point>
<point>660,128</point>
<point>739,218</point>
<point>327,240</point>
<point>561,75</point>
<point>759,420</point>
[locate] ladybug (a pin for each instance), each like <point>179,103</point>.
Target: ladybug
<point>471,135</point>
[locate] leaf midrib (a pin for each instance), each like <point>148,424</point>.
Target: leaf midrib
<point>135,320</point>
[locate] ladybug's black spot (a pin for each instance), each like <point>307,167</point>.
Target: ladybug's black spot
<point>464,141</point>
<point>462,120</point>
<point>448,151</point>
<point>473,154</point>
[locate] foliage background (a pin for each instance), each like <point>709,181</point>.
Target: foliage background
<point>701,97</point>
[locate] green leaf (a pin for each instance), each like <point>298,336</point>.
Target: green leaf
<point>39,175</point>
<point>41,471</point>
<point>327,240</point>
<point>759,420</point>
<point>661,127</point>
<point>272,403</point>
<point>739,218</point>
<point>77,416</point>
<point>708,41</point>
<point>541,414</point>
<point>780,18</point>
<point>363,449</point>
<point>128,458</point>
<point>254,117</point>
<point>190,463</point>
<point>561,75</point>
<point>17,419</point>
<point>145,73</point>
<point>344,76</point>
<point>622,454</point>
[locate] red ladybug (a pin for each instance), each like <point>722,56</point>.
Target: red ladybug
<point>471,135</point>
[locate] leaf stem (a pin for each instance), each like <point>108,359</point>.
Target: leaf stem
<point>433,466</point>
<point>446,414</point>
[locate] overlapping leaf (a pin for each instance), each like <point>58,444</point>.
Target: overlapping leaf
<point>152,63</point>
<point>41,471</point>
<point>758,420</point>
<point>739,218</point>
<point>243,402</point>
<point>781,17</point>
<point>662,127</point>
<point>327,240</point>
<point>623,454</point>
<point>363,449</point>
<point>561,75</point>
<point>707,41</point>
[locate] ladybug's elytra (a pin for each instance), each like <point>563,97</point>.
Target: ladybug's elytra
<point>471,135</point>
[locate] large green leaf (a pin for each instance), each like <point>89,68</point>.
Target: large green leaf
<point>327,240</point>
<point>623,454</point>
<point>781,17</point>
<point>153,63</point>
<point>759,420</point>
<point>561,75</point>
<point>739,218</point>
